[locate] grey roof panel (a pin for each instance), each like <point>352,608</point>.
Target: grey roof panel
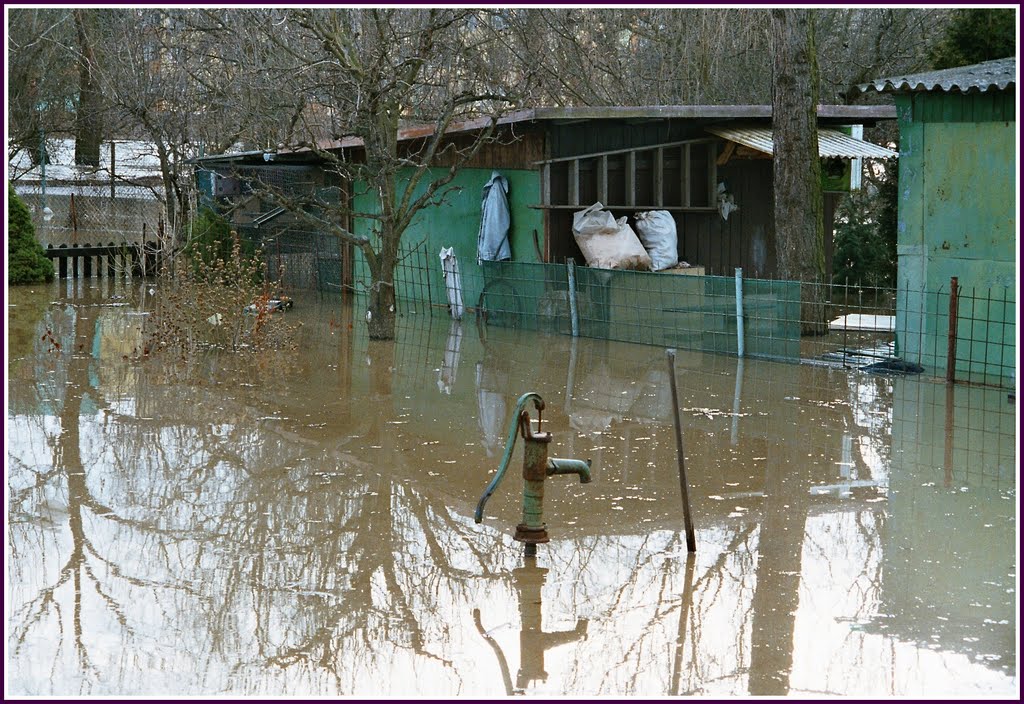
<point>989,75</point>
<point>831,143</point>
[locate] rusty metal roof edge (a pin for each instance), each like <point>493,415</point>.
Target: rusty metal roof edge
<point>226,156</point>
<point>853,113</point>
<point>998,74</point>
<point>593,112</point>
<point>422,131</point>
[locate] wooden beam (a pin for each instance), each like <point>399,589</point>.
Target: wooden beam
<point>745,152</point>
<point>659,176</point>
<point>630,178</point>
<point>684,167</point>
<point>574,182</point>
<point>545,184</point>
<point>723,158</point>
<point>618,206</point>
<point>602,178</point>
<point>712,176</point>
<point>647,147</point>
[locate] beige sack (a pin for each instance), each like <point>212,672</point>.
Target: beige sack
<point>608,243</point>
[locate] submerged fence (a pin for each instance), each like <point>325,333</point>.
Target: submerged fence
<point>883,330</point>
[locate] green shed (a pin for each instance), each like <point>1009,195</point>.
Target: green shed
<point>684,159</point>
<point>957,216</point>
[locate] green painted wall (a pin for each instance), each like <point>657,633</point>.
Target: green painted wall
<point>455,223</point>
<point>957,217</point>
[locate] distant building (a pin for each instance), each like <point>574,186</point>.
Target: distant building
<point>75,204</point>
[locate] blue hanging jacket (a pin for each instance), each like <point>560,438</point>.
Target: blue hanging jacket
<point>492,239</point>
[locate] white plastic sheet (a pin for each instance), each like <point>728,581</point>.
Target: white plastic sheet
<point>452,281</point>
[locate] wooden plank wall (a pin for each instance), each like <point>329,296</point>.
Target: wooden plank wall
<point>746,239</point>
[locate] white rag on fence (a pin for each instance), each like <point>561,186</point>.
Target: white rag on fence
<point>452,281</point>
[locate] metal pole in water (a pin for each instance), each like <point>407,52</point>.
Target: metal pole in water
<point>113,171</point>
<point>736,402</point>
<point>691,540</point>
<point>574,320</point>
<point>739,311</point>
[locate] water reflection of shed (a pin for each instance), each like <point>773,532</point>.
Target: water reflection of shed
<point>684,159</point>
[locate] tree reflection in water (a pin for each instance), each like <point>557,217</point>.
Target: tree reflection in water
<point>303,526</point>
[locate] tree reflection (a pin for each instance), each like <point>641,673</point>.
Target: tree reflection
<point>283,535</point>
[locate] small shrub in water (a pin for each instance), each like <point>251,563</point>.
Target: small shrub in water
<point>219,302</point>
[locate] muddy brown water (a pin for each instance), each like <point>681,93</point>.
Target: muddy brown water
<point>302,524</point>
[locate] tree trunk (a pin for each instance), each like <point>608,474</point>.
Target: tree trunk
<point>88,116</point>
<point>799,228</point>
<point>380,315</point>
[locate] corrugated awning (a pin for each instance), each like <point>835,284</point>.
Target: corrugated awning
<point>831,143</point>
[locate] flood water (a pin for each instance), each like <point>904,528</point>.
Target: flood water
<point>302,524</point>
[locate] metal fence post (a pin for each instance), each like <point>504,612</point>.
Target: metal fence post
<point>739,311</point>
<point>954,305</point>
<point>113,171</point>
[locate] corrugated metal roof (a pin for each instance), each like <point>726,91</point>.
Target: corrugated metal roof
<point>989,75</point>
<point>830,142</point>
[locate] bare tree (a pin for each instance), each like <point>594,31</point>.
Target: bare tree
<point>372,71</point>
<point>89,112</point>
<point>663,56</point>
<point>40,86</point>
<point>170,77</point>
<point>797,169</point>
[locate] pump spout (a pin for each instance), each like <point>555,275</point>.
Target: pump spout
<point>560,466</point>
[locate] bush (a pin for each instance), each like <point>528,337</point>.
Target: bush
<point>220,302</point>
<point>211,239</point>
<point>26,260</point>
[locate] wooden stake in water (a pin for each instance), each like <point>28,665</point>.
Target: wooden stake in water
<point>691,540</point>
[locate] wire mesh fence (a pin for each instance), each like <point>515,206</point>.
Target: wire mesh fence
<point>964,335</point>
<point>883,330</point>
<point>79,214</point>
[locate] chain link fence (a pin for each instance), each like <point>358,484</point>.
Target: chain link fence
<point>962,334</point>
<point>80,214</point>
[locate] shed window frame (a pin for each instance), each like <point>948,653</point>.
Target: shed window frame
<point>636,173</point>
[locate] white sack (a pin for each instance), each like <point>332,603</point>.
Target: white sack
<point>608,243</point>
<point>657,231</point>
